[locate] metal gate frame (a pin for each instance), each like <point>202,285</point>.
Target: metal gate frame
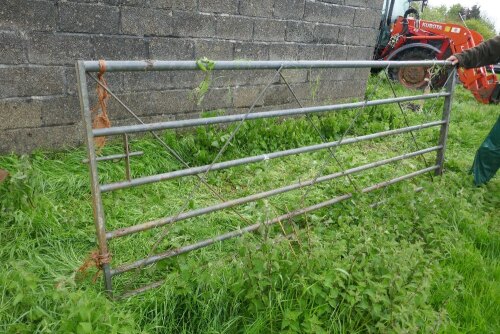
<point>84,68</point>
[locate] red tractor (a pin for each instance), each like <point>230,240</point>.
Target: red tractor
<point>403,36</point>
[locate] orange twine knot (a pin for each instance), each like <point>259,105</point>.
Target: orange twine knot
<point>101,119</point>
<point>94,259</point>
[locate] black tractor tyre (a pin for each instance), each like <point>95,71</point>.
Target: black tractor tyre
<point>415,77</point>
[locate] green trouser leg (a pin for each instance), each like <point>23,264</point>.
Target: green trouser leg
<point>487,160</point>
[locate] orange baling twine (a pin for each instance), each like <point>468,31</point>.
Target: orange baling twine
<point>101,119</point>
<point>94,259</point>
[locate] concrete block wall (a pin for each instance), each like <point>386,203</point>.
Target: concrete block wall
<point>40,41</point>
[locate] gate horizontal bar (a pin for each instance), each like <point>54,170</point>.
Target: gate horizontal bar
<point>236,233</point>
<point>115,156</point>
<point>157,284</point>
<point>119,130</point>
<point>142,289</point>
<point>258,158</point>
<point>198,212</point>
<point>162,65</point>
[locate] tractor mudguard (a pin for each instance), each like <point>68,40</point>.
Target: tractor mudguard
<point>393,56</point>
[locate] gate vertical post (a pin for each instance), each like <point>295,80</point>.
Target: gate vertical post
<point>450,87</point>
<point>97,205</point>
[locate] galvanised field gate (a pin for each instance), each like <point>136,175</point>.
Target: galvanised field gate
<point>104,235</point>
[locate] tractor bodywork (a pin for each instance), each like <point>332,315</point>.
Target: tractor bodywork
<point>411,38</point>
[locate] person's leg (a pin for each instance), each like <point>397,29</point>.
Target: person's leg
<point>487,160</point>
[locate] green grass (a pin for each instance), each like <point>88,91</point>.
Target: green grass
<point>426,262</point>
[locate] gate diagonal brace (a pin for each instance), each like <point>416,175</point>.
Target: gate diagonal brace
<point>170,150</point>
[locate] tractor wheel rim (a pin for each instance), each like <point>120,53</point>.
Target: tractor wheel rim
<point>413,77</point>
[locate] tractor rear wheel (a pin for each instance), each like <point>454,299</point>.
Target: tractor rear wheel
<point>418,77</point>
